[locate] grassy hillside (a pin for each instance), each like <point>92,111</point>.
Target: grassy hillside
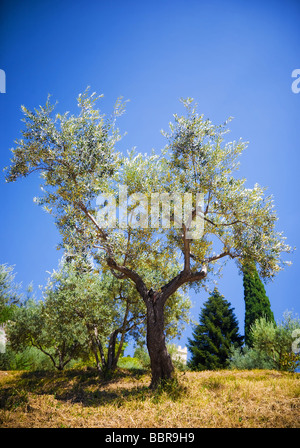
<point>258,398</point>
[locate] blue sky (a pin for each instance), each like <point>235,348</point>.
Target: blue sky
<point>235,58</point>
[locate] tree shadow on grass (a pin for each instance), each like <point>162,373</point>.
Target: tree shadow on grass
<point>97,398</point>
<point>87,387</point>
<point>90,389</point>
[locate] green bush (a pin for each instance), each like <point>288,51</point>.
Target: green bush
<point>28,359</point>
<point>128,362</point>
<point>142,355</point>
<point>272,346</point>
<point>249,358</point>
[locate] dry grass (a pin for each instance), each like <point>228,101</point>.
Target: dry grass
<point>222,399</point>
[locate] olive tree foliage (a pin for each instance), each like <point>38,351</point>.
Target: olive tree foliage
<point>9,297</point>
<point>109,310</point>
<point>80,301</point>
<point>277,340</point>
<point>81,313</point>
<point>273,345</point>
<point>242,219</point>
<point>74,318</point>
<point>84,312</point>
<point>9,292</point>
<point>30,327</point>
<point>77,160</point>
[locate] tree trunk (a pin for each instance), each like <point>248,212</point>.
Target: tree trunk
<point>95,351</point>
<point>60,360</point>
<point>161,364</point>
<point>97,345</point>
<point>111,355</point>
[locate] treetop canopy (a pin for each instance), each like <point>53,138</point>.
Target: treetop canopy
<point>78,161</point>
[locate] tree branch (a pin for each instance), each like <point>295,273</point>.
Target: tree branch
<point>214,257</point>
<point>182,278</point>
<point>132,275</point>
<point>92,219</point>
<point>186,251</point>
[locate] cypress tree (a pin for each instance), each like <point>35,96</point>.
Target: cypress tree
<point>213,337</point>
<point>257,303</point>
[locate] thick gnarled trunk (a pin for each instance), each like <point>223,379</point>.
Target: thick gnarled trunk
<point>161,364</point>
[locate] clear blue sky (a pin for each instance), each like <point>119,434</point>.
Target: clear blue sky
<point>234,57</point>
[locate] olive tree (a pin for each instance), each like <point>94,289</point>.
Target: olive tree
<point>107,310</point>
<point>276,341</point>
<point>30,327</point>
<point>78,162</point>
<point>80,302</point>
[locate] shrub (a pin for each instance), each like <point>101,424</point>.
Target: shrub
<point>249,358</point>
<point>30,358</point>
<point>272,346</point>
<point>142,355</point>
<point>127,362</point>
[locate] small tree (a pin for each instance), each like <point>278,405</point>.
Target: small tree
<point>109,308</point>
<point>77,300</point>
<point>272,346</point>
<point>257,304</point>
<point>276,341</point>
<point>215,334</point>
<point>85,312</point>
<point>33,325</point>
